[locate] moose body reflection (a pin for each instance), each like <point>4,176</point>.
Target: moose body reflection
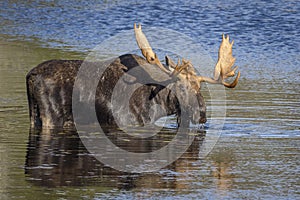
<point>56,158</point>
<point>175,88</point>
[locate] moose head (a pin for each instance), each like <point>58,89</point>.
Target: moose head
<point>189,83</point>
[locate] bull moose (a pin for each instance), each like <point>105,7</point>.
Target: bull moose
<point>51,88</point>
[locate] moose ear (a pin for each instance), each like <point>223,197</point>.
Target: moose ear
<point>169,62</point>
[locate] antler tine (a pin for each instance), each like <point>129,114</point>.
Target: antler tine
<point>146,49</point>
<point>182,65</point>
<point>234,83</point>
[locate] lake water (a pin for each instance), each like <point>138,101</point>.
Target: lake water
<point>258,153</point>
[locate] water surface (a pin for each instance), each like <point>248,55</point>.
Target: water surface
<point>257,156</point>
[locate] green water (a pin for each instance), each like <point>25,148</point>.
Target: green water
<point>257,155</point>
<point>17,58</point>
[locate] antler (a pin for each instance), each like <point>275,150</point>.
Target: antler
<point>223,68</point>
<point>152,58</point>
<point>146,49</point>
<point>224,65</point>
